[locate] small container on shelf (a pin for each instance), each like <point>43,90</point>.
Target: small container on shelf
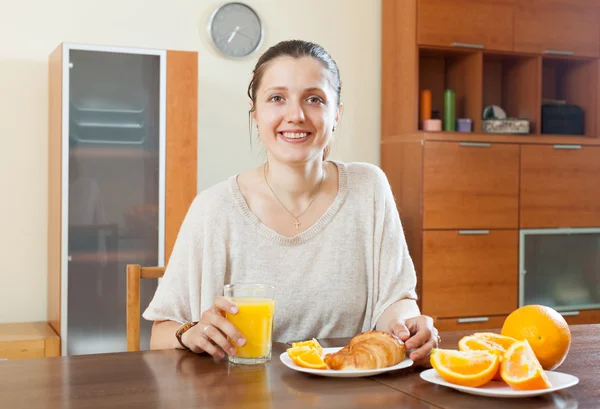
<point>464,125</point>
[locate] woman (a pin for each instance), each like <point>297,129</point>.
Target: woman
<point>325,233</point>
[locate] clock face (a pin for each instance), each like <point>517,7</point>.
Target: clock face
<point>235,30</point>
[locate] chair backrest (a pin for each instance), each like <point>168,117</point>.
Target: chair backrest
<point>134,274</point>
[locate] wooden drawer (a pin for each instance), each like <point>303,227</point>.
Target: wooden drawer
<point>466,23</point>
<point>470,185</point>
<point>22,349</point>
<point>470,275</point>
<point>557,26</point>
<point>560,187</point>
<point>470,323</point>
<point>582,317</point>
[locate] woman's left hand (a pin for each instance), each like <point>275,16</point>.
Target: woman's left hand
<point>419,336</point>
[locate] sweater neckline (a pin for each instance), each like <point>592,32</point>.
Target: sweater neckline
<point>307,234</point>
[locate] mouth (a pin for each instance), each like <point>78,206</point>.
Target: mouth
<point>294,137</point>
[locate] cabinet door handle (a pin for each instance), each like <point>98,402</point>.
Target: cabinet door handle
<point>560,146</point>
<point>569,313</point>
<point>467,45</point>
<point>473,232</point>
<point>476,144</point>
<point>559,52</point>
<point>474,319</point>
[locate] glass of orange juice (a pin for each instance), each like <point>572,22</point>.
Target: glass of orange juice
<point>254,320</point>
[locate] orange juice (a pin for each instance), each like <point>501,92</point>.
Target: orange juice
<point>255,321</point>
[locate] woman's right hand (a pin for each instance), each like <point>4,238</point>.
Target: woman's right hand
<point>211,332</point>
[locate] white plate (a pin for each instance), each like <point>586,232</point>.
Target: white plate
<point>287,361</point>
<point>499,389</point>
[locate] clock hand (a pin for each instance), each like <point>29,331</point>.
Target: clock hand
<point>233,33</point>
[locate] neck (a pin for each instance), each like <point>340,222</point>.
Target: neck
<point>294,182</point>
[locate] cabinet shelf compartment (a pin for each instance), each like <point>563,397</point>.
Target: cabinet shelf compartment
<point>512,82</point>
<point>575,82</point>
<point>460,70</point>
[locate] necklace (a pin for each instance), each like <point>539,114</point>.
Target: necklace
<point>296,222</point>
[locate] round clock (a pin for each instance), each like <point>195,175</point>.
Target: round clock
<point>235,30</point>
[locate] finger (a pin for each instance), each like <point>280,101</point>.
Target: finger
<point>399,329</point>
<point>222,324</point>
<point>226,305</point>
<point>198,343</point>
<point>212,333</point>
<point>421,355</point>
<point>422,335</point>
<point>210,348</point>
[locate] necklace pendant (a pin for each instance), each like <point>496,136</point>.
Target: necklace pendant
<point>297,224</point>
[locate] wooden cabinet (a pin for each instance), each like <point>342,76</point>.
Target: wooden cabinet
<point>470,273</point>
<point>122,170</point>
<point>557,27</point>
<point>466,23</point>
<point>582,317</point>
<point>470,185</point>
<point>28,340</point>
<point>470,323</point>
<point>560,186</point>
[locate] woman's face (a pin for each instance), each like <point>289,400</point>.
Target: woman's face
<point>296,109</point>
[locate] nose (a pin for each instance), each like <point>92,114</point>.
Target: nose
<point>294,112</point>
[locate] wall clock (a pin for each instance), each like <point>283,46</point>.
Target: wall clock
<point>235,30</point>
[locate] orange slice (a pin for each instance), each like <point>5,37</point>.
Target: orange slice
<point>466,368</point>
<point>297,351</point>
<point>313,343</point>
<point>521,369</point>
<point>310,359</point>
<point>502,340</point>
<point>475,343</point>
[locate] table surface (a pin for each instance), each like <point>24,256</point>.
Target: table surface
<point>179,379</point>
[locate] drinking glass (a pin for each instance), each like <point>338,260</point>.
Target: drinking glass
<point>256,308</point>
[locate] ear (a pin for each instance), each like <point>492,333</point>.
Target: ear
<point>253,113</point>
<point>338,114</point>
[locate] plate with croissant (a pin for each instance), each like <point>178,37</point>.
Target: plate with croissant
<point>367,354</point>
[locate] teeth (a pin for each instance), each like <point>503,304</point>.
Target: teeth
<point>294,135</point>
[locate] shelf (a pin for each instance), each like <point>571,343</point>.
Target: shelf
<point>511,82</point>
<point>460,70</point>
<point>576,82</point>
<point>496,138</point>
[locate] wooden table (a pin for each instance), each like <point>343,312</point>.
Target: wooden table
<point>178,379</point>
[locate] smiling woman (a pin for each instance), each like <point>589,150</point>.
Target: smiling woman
<point>292,223</point>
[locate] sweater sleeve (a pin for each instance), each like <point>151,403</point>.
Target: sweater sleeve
<point>178,289</point>
<point>393,267</point>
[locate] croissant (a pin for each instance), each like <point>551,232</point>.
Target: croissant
<point>368,350</point>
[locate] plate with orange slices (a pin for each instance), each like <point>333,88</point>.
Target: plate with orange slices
<point>496,366</point>
<point>307,356</point>
<point>500,389</point>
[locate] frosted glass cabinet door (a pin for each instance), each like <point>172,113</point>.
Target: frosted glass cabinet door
<point>114,191</point>
<point>561,268</point>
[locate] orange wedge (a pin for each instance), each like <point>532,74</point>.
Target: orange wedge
<point>502,340</point>
<point>297,351</point>
<point>310,359</point>
<point>521,369</point>
<point>466,368</point>
<point>313,343</point>
<point>475,343</point>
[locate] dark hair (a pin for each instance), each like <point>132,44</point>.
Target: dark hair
<point>295,49</point>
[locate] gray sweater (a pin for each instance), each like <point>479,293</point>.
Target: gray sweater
<point>332,280</point>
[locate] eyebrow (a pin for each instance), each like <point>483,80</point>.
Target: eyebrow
<point>281,88</point>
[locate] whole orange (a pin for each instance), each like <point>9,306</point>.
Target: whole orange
<point>546,331</point>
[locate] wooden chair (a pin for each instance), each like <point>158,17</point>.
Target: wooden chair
<point>134,274</point>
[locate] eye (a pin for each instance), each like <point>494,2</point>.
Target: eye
<point>276,98</point>
<point>315,100</point>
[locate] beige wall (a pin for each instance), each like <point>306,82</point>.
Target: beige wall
<point>30,30</point>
